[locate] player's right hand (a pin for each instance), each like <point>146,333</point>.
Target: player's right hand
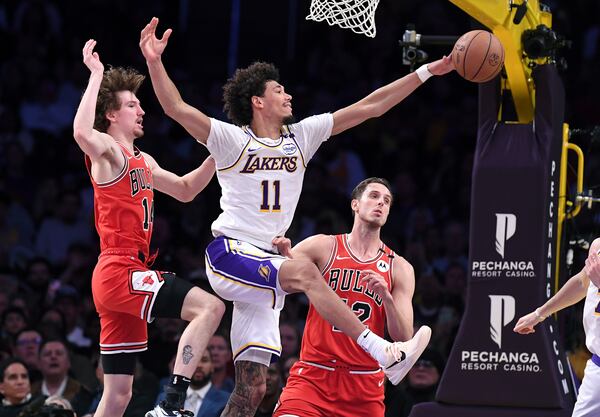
<point>441,66</point>
<point>526,324</point>
<point>91,59</point>
<point>152,47</point>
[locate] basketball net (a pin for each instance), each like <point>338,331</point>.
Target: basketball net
<point>358,15</point>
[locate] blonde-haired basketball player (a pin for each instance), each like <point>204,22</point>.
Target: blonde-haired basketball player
<point>261,162</point>
<point>582,285</point>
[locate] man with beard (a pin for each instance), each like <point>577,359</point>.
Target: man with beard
<point>202,397</point>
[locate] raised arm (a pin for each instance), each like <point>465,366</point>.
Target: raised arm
<point>184,188</point>
<point>92,142</point>
<point>398,301</point>
<point>386,97</point>
<point>192,119</point>
<point>574,290</point>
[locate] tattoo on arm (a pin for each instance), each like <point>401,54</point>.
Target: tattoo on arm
<point>187,354</point>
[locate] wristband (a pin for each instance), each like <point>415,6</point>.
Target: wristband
<point>538,315</point>
<point>423,73</point>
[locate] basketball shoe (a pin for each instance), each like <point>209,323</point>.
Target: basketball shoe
<point>161,410</point>
<point>403,355</point>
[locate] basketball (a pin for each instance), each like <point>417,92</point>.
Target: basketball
<point>478,56</point>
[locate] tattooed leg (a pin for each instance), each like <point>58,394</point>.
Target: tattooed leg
<point>249,390</point>
<point>187,354</point>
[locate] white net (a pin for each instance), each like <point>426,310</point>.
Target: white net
<point>358,15</point>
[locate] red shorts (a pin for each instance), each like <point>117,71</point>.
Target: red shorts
<point>124,292</point>
<point>320,391</point>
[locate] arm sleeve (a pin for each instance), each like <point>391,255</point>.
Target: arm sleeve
<point>311,132</point>
<point>225,142</point>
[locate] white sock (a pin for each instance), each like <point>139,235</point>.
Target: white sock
<point>375,345</point>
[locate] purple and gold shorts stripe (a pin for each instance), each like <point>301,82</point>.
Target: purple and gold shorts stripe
<point>258,346</point>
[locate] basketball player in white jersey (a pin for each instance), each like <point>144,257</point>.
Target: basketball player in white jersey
<point>576,289</point>
<point>261,160</point>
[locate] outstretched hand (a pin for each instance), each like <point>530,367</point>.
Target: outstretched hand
<point>152,47</point>
<point>441,66</point>
<point>91,59</point>
<point>526,324</point>
<point>283,245</point>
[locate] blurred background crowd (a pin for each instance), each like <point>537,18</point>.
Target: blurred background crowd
<point>424,146</point>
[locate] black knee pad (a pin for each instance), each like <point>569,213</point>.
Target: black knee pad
<point>119,363</point>
<point>169,300</point>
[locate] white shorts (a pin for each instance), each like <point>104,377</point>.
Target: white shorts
<point>248,276</point>
<point>588,400</point>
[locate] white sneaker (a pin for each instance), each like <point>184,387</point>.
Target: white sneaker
<point>160,411</point>
<point>403,355</point>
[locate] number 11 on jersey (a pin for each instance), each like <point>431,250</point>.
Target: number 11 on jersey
<point>265,207</point>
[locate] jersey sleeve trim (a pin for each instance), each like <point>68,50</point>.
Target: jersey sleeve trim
<point>118,178</point>
<point>331,256</point>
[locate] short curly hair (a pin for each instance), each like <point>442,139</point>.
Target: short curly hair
<point>245,83</point>
<point>114,80</point>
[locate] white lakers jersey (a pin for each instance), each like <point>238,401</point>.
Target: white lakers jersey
<point>591,319</point>
<point>261,178</point>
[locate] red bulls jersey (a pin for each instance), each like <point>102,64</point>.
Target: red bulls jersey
<point>324,344</point>
<point>124,207</point>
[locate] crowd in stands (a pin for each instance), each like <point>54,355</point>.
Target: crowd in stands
<point>49,329</point>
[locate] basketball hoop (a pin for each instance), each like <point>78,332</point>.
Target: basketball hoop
<point>357,15</point>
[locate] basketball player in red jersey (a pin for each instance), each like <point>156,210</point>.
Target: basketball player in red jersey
<point>127,294</point>
<point>334,376</point>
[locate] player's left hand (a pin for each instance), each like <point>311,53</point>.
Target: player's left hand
<point>152,47</point>
<point>283,245</point>
<point>526,324</point>
<point>376,283</point>
<point>441,66</point>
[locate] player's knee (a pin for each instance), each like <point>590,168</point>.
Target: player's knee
<point>216,308</point>
<point>203,305</point>
<point>118,399</point>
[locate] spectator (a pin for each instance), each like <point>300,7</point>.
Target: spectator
<point>14,319</point>
<point>14,387</point>
<point>220,354</point>
<point>55,365</point>
<point>290,340</point>
<point>68,302</point>
<point>27,348</point>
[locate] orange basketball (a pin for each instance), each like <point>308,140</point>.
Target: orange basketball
<point>478,56</point>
